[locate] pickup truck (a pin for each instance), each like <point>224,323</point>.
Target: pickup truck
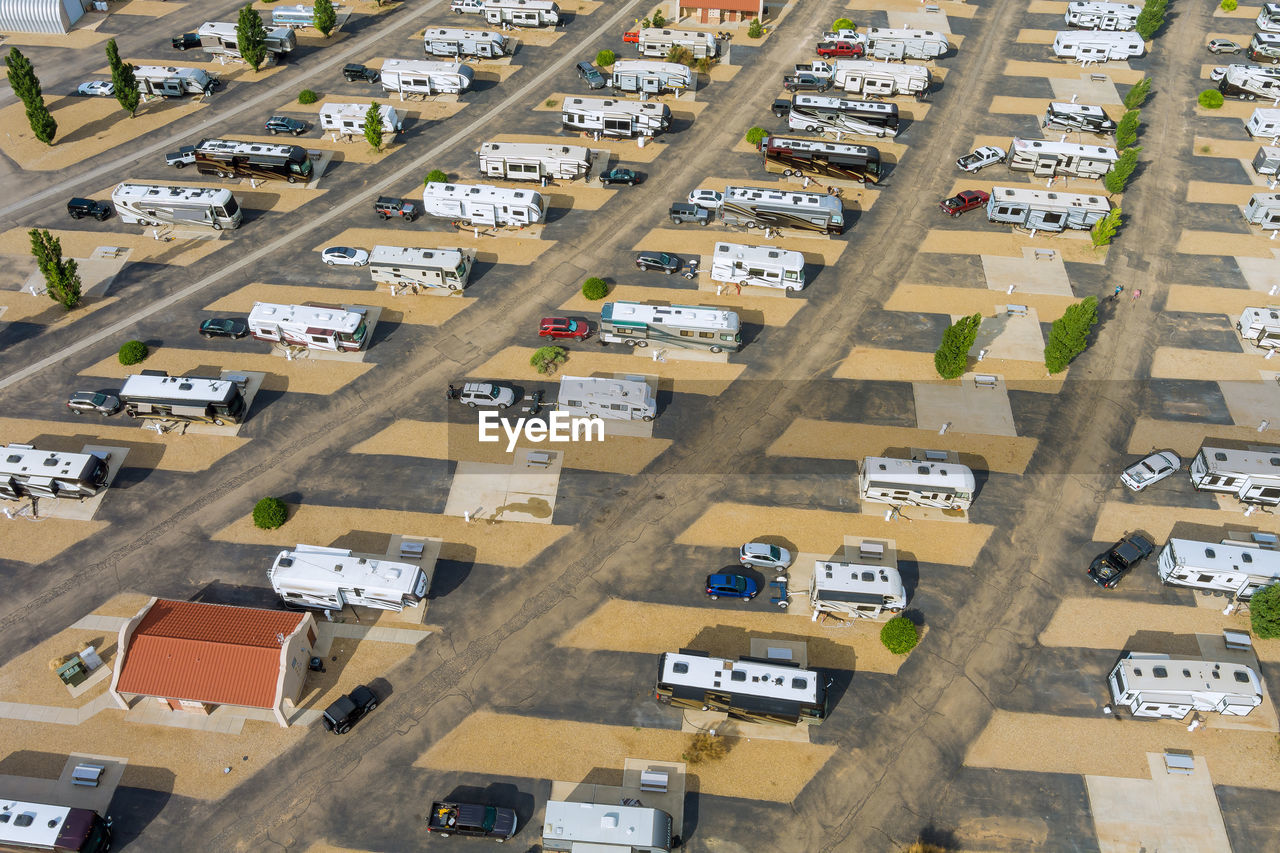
<point>828,49</point>
<point>816,68</point>
<point>184,155</point>
<point>1108,567</point>
<point>387,207</point>
<point>468,819</point>
<point>806,82</point>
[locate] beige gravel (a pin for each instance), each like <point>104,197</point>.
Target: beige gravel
<point>27,678</point>
<point>1178,363</point>
<point>1231,109</point>
<point>1110,623</point>
<point>693,377</point>
<point>170,452</point>
<point>1118,73</point>
<point>507,247</point>
<point>751,309</point>
<point>423,309</point>
<point>1212,192</point>
<point>1017,106</point>
<point>956,301</point>
<point>302,375</point>
<point>26,541</point>
<point>903,366</point>
<point>816,248</point>
<point>1252,245</point>
<point>1227,301</point>
<point>1235,149</point>
<point>81,38</point>
<point>625,150</point>
<point>43,311</point>
<point>81,244</point>
<point>1115,518</point>
<point>836,440</point>
<point>1184,438</point>
<point>1073,246</point>
<point>1035,37</point>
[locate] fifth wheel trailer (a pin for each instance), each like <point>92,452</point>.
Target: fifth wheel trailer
<point>1260,327</point>
<point>1090,15</point>
<point>913,482</point>
<point>888,43</point>
<point>1232,569</point>
<point>1249,83</point>
<point>423,77</point>
<point>1250,476</point>
<point>1267,161</point>
<point>1097,46</point>
<point>1045,159</point>
<point>649,77</point>
<point>884,79</point>
<point>451,41</point>
<point>613,117</point>
<point>521,161</point>
<point>1154,685</point>
<point>219,39</point>
<point>173,81</point>
<point>483,204</point>
<point>521,13</point>
<point>1039,210</point>
<point>654,41</point>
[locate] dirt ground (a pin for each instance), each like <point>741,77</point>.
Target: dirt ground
<point>1182,437</point>
<point>82,244</point>
<point>836,440</point>
<point>423,309</point>
<point>303,375</point>
<point>1118,72</point>
<point>171,452</point>
<point>957,301</point>
<point>43,311</point>
<point>28,541</point>
<point>1073,246</point>
<point>1116,518</point>
<point>1235,149</point>
<point>1207,192</point>
<point>1109,624</point>
<point>763,310</point>
<point>1228,301</point>
<point>1179,363</point>
<point>1035,36</point>
<point>28,678</point>
<point>1217,243</point>
<point>694,377</point>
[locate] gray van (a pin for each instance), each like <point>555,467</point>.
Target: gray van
<point>588,72</point>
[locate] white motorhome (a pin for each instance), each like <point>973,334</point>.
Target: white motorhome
<point>219,39</point>
<point>1268,19</point>
<point>422,77</point>
<point>1045,159</point>
<point>864,589</point>
<point>763,207</point>
<point>763,266</point>
<point>654,41</point>
<point>602,828</point>
<point>649,77</point>
<point>27,472</point>
<point>1264,47</point>
<point>1091,15</point>
<point>1250,82</point>
<point>889,43</point>
<point>914,482</point>
<point>530,161</point>
<point>885,79</point>
<point>626,399</point>
<point>1264,123</point>
<point>521,13</point>
<point>483,204</point>
<point>1267,161</point>
<point>347,120</point>
<point>1152,685</point>
<point>331,579</point>
<point>1040,210</point>
<point>1260,327</point>
<point>1237,570</point>
<point>450,41</point>
<point>1086,118</point>
<point>318,327</point>
<point>1250,476</point>
<point>612,117</point>
<point>1097,46</point>
<point>172,81</point>
<point>402,268</point>
<point>1263,210</point>
<point>152,204</point>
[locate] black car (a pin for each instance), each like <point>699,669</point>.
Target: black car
<point>1107,568</point>
<point>660,261</point>
<point>283,124</point>
<point>592,75</point>
<point>387,207</point>
<point>355,72</point>
<point>620,176</point>
<point>220,328</point>
<point>186,41</point>
<point>347,711</point>
<point>79,208</point>
<point>93,401</point>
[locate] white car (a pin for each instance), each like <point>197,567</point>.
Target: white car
<point>764,556</point>
<point>1153,469</point>
<point>102,88</point>
<point>710,199</point>
<point>486,394</point>
<point>344,256</point>
<point>981,158</point>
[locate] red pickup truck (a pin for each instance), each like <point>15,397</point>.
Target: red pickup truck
<point>632,37</point>
<point>828,49</point>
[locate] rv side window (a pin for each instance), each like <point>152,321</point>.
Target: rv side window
<point>738,675</point>
<point>1204,578</point>
<point>1159,672</point>
<point>1242,677</point>
<point>685,333</point>
<point>1053,218</point>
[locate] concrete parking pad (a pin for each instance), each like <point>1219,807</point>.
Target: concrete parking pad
<point>28,540</point>
<point>149,450</point>
<point>687,377</point>
<point>1251,403</point>
<point>505,247</point>
<point>962,301</point>
<point>1028,274</point>
<point>510,745</point>
<point>1177,363</point>
<point>516,491</point>
<point>837,440</point>
<point>1259,273</point>
<point>966,406</point>
<point>1072,246</point>
<point>1169,812</point>
<point>414,310</point>
<point>759,310</point>
<point>1012,337</point>
<point>1116,518</point>
<point>1108,623</point>
<point>303,376</point>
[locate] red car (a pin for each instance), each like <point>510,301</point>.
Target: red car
<point>632,37</point>
<point>962,201</point>
<point>828,49</point>
<point>563,327</point>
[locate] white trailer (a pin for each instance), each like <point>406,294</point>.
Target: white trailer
<point>318,327</point>
<point>763,207</point>
<point>1264,47</point>
<point>890,43</point>
<point>914,482</point>
<point>1040,210</point>
<point>331,579</point>
<point>1267,161</point>
<point>423,77</point>
<point>1264,123</point>
<point>649,77</point>
<point>1090,15</point>
<point>611,117</point>
<point>627,399</point>
<point>601,828</point>
<point>483,204</point>
<point>348,119</point>
<point>885,79</point>
<point>521,13</point>
<point>763,266</point>
<point>298,16</point>
<point>173,81</point>
<point>823,114</point>
<point>451,41</point>
<point>1263,210</point>
<point>521,161</point>
<point>1097,46</point>
<point>1045,159</point>
<point>654,41</point>
<point>1234,569</point>
<point>153,204</point>
<point>1260,327</point>
<point>1250,82</point>
<point>1250,476</point>
<point>219,39</point>
<point>864,589</point>
<point>1085,118</point>
<point>1151,685</point>
<point>1268,19</point>
<point>402,268</point>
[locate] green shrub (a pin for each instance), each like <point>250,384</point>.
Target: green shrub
<point>1116,179</point>
<point>550,102</point>
<point>1105,228</point>
<point>132,352</point>
<point>1264,612</point>
<point>952,356</point>
<point>605,58</point>
<point>755,135</point>
<point>842,24</point>
<point>548,359</point>
<point>756,29</point>
<point>1137,96</point>
<point>307,96</point>
<point>1228,5</point>
<point>1210,99</point>
<point>899,635</point>
<point>595,289</point>
<point>1127,129</point>
<point>680,55</point>
<point>1069,334</point>
<point>658,19</point>
<point>269,513</point>
<point>435,176</point>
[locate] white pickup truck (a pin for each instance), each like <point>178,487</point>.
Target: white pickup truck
<point>184,155</point>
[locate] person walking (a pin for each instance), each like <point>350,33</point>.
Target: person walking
<point>1136,294</point>
<point>1119,290</point>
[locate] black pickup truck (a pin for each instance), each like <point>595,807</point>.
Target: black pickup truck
<point>477,821</point>
<point>1108,567</point>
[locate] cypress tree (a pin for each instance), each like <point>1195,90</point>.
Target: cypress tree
<point>373,126</point>
<point>251,37</point>
<point>123,80</point>
<point>61,277</point>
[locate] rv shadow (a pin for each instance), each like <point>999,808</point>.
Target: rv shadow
<point>690,807</point>
<point>750,332</point>
<point>218,592</point>
<point>138,803</point>
<point>838,681</point>
<point>18,331</point>
<point>909,570</point>
<point>450,574</point>
<point>483,81</point>
<point>480,266</point>
<point>133,473</point>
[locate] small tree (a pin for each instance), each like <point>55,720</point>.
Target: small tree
<point>1069,334</point>
<point>842,24</point>
<point>251,37</point>
<point>1210,99</point>
<point>1105,228</point>
<point>548,359</point>
<point>1264,612</point>
<point>61,277</point>
<point>1137,96</point>
<point>658,20</point>
<point>132,352</point>
<point>899,635</point>
<point>952,356</point>
<point>1228,5</point>
<point>43,125</point>
<point>595,289</point>
<point>680,55</point>
<point>1127,129</point>
<point>756,29</point>
<point>755,136</point>
<point>373,126</point>
<point>605,58</point>
<point>1116,179</point>
<point>123,81</point>
<point>270,513</point>
<point>307,96</point>
<point>25,84</point>
<point>325,17</point>
<point>704,746</point>
<point>435,176</point>
<point>1150,19</point>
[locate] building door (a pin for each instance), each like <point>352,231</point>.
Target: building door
<point>705,15</point>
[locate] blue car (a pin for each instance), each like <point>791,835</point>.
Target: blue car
<point>731,586</point>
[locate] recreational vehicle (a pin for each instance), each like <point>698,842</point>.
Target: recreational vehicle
<point>1045,159</point>
<point>318,327</point>
<point>604,827</point>
<point>1040,210</point>
<point>1226,568</point>
<point>196,399</point>
<point>914,482</point>
<point>749,689</point>
<point>763,266</point>
<point>681,326</point>
<point>1152,685</point>
<point>654,41</point>
<point>531,161</point>
<point>151,204</point>
<point>1264,47</point>
<point>791,156</point>
<point>1267,161</point>
<point>331,579</point>
<point>1263,210</point>
<point>1078,117</point>
<point>610,117</point>
<point>27,472</point>
<point>761,207</point>
<point>421,77</point>
<point>823,114</point>
<point>219,39</point>
<point>173,81</point>
<point>865,589</point>
<point>348,119</point>
<point>886,43</point>
<point>1097,46</point>
<point>883,79</point>
<point>1249,82</point>
<point>1268,19</point>
<point>51,826</point>
<point>229,158</point>
<point>627,399</point>
<point>483,204</point>
<point>1260,327</point>
<point>402,268</point>
<point>1250,476</point>
<point>449,41</point>
<point>649,77</point>
<point>1264,123</point>
<point>521,13</point>
<point>1090,15</point>
<point>297,17</point>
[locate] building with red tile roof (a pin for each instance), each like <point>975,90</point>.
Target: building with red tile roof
<point>720,11</point>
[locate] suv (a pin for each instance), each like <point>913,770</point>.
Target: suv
<point>660,261</point>
<point>354,72</point>
<point>387,207</point>
<point>469,819</point>
<point>486,394</point>
<point>1107,568</point>
<point>184,155</point>
<point>93,401</point>
<point>681,212</point>
<point>186,41</point>
<point>79,208</point>
<point>347,711</point>
<point>589,73</point>
<point>283,124</point>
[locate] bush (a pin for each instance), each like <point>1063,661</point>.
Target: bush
<point>435,176</point>
<point>658,20</point>
<point>705,747</point>
<point>595,289</point>
<point>952,357</point>
<point>842,24</point>
<point>1105,228</point>
<point>550,102</point>
<point>307,96</point>
<point>899,635</point>
<point>269,513</point>
<point>1264,612</point>
<point>1228,5</point>
<point>756,30</point>
<point>548,359</point>
<point>132,352</point>
<point>680,55</point>
<point>1210,99</point>
<point>1069,334</point>
<point>1116,179</point>
<point>605,58</point>
<point>1127,129</point>
<point>1137,96</point>
<point>755,135</point>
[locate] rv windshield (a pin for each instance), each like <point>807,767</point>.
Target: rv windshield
<point>355,337</point>
<point>303,168</point>
<point>230,209</point>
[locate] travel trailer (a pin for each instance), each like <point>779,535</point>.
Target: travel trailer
<point>605,828</point>
<point>1267,161</point>
<point>483,204</point>
<point>626,399</point>
<point>195,399</point>
<point>914,482</point>
<point>1039,210</point>
<point>1045,159</point>
<point>748,689</point>
<point>680,326</point>
<point>229,158</point>
<point>332,578</point>
<point>531,161</point>
<point>1249,82</point>
<point>649,77</point>
<point>1264,123</point>
<point>791,156</point>
<point>1260,327</point>
<point>882,79</point>
<point>347,120</point>
<point>762,207</point>
<point>887,43</point>
<point>823,114</point>
<point>1263,210</point>
<point>1250,476</point>
<point>1097,46</point>
<point>172,81</point>
<point>297,17</point>
<point>450,41</point>
<point>1078,117</point>
<point>402,268</point>
<point>318,327</point>
<point>1225,568</point>
<point>1089,15</point>
<point>219,39</point>
<point>153,204</point>
<point>521,13</point>
<point>654,41</point>
<point>27,472</point>
<point>1153,685</point>
<point>612,117</point>
<point>865,589</point>
<point>762,266</point>
<point>422,77</point>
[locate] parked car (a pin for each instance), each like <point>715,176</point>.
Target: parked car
<point>93,401</point>
<point>563,327</point>
<point>184,155</point>
<point>97,88</point>
<point>805,82</point>
<point>344,256</point>
<point>284,124</point>
<point>186,41</point>
<point>387,207</point>
<point>1108,567</point>
<point>589,73</point>
<point>468,819</point>
<point>681,212</point>
<point>355,72</point>
<point>981,158</point>
<point>1223,46</point>
<point>710,199</point>
<point>840,47</point>
<point>218,327</point>
<point>660,261</point>
<point>764,556</point>
<point>475,394</point>
<point>731,586</point>
<point>78,208</point>
<point>1150,470</point>
<point>962,201</point>
<point>620,176</point>
<point>346,711</point>
<point>631,37</point>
